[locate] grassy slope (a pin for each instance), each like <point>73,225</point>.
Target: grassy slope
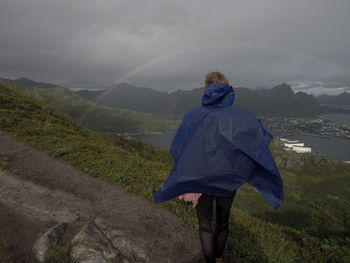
<point>317,191</point>
<point>95,116</point>
<point>142,169</point>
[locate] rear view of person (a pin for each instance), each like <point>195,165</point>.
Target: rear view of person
<point>217,148</point>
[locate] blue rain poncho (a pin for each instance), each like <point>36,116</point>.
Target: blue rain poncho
<point>219,147</point>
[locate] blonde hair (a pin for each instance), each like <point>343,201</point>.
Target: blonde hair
<point>215,77</point>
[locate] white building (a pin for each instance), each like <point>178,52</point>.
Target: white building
<point>302,149</point>
<point>291,145</point>
<point>288,141</point>
<point>296,146</point>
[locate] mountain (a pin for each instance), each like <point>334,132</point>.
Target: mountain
<point>279,101</point>
<point>160,104</point>
<point>311,226</point>
<point>341,99</point>
<point>29,82</point>
<point>89,113</point>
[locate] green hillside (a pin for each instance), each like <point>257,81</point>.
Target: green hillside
<point>91,114</point>
<point>317,193</point>
<point>142,169</point>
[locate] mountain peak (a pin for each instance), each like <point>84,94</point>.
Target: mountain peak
<point>30,82</point>
<point>25,80</point>
<point>344,93</point>
<point>282,88</point>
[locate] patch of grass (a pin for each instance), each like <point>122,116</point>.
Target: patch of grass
<point>5,257</point>
<point>4,163</point>
<point>58,254</point>
<point>142,169</point>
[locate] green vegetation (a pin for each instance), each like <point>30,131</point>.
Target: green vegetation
<point>317,191</point>
<point>142,169</point>
<point>5,256</point>
<point>4,163</point>
<point>95,116</point>
<point>58,254</point>
<point>5,249</point>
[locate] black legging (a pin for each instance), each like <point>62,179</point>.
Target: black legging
<point>213,242</point>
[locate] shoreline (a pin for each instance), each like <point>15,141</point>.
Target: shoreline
<point>328,137</point>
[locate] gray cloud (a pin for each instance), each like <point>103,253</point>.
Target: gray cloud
<point>318,88</point>
<point>171,44</point>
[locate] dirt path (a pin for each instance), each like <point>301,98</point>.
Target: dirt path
<point>39,191</point>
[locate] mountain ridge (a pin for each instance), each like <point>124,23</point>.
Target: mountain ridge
<point>277,101</point>
<point>91,114</point>
<point>340,99</point>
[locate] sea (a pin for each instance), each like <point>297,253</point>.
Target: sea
<point>334,147</point>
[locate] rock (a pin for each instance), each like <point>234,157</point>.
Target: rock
<point>49,241</point>
<point>123,241</point>
<point>96,242</point>
<point>90,245</point>
<point>129,250</point>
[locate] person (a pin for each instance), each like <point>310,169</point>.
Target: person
<point>217,148</point>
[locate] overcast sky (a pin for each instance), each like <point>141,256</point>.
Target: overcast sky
<point>170,45</point>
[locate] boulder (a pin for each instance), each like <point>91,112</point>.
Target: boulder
<point>49,241</point>
<point>90,245</point>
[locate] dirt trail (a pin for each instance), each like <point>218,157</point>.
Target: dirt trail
<point>39,191</point>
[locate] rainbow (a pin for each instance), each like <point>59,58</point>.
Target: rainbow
<point>169,56</point>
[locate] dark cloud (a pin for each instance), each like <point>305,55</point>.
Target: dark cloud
<point>171,44</point>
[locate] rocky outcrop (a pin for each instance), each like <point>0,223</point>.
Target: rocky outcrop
<point>95,242</point>
<point>91,245</point>
<point>49,241</point>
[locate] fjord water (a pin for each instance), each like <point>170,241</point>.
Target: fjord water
<point>333,147</point>
<point>340,118</point>
<point>162,140</point>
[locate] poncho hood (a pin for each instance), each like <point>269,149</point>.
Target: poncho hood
<point>218,148</point>
<point>218,95</point>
